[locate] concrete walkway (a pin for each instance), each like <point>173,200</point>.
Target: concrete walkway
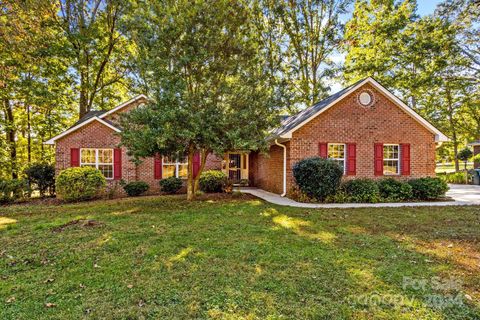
<point>462,195</point>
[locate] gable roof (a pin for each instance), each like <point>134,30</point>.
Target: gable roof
<point>88,115</point>
<point>295,122</point>
<point>96,116</point>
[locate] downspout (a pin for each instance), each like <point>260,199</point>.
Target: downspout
<point>284,167</point>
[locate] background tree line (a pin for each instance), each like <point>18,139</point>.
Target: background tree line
<point>61,59</point>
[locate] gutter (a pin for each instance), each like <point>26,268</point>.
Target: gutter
<point>284,167</point>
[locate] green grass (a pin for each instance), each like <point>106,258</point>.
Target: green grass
<point>163,258</point>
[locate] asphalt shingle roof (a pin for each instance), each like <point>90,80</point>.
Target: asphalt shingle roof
<point>89,115</point>
<point>291,122</point>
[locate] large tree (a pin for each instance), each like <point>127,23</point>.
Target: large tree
<point>303,35</point>
<point>373,38</point>
<point>208,81</point>
<point>98,50</point>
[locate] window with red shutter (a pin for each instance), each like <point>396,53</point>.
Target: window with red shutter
<point>117,164</point>
<point>323,150</point>
<point>157,167</point>
<point>74,157</point>
<point>378,159</point>
<point>196,164</point>
<point>351,159</point>
<point>405,159</point>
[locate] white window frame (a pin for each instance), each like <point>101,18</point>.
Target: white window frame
<point>344,159</point>
<point>391,159</point>
<point>97,163</point>
<point>177,165</point>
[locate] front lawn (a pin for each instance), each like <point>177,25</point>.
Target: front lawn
<point>162,257</point>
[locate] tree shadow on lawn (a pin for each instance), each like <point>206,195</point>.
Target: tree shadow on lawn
<point>167,258</point>
<point>391,265</point>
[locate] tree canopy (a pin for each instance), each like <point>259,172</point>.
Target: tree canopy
<point>219,73</point>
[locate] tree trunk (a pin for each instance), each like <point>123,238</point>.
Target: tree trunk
<point>203,159</point>
<point>82,110</point>
<point>10,136</point>
<point>453,127</point>
<point>29,136</point>
<point>190,178</point>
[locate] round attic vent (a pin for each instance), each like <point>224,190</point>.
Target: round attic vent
<point>365,98</point>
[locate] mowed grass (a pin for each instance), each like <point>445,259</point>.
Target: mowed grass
<point>166,258</point>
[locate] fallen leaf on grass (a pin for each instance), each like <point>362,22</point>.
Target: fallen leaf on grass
<point>50,305</point>
<point>11,299</point>
<point>130,286</point>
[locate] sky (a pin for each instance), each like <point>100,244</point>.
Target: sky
<point>424,7</point>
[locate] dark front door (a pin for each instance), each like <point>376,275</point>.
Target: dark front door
<point>234,167</point>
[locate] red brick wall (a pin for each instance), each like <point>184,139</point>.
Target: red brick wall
<point>266,170</point>
<point>114,117</point>
<point>348,122</point>
<point>97,135</point>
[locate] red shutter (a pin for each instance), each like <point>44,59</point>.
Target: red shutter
<point>74,157</point>
<point>405,159</point>
<point>351,159</point>
<point>157,167</point>
<point>378,159</point>
<point>117,164</point>
<point>196,164</point>
<point>323,150</point>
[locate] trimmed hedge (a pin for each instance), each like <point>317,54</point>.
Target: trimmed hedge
<point>80,183</point>
<point>212,181</point>
<point>318,178</point>
<point>394,190</point>
<point>136,188</point>
<point>362,190</point>
<point>171,185</point>
<point>428,188</point>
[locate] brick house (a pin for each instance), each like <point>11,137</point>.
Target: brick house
<point>364,127</point>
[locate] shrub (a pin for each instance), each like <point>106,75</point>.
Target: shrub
<point>136,188</point>
<point>428,188</point>
<point>80,183</point>
<point>362,190</point>
<point>11,190</point>
<point>212,181</point>
<point>392,189</point>
<point>171,185</point>
<point>454,177</point>
<point>41,176</point>
<point>317,177</point>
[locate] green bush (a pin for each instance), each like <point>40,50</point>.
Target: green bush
<point>136,188</point>
<point>454,177</point>
<point>11,190</point>
<point>317,178</point>
<point>171,185</point>
<point>362,190</point>
<point>80,183</point>
<point>212,181</point>
<point>428,188</point>
<point>41,177</point>
<point>394,190</point>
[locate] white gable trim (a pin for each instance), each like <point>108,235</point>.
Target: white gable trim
<point>121,106</point>
<point>78,126</point>
<point>439,136</point>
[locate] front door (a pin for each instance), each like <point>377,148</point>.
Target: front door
<point>237,167</point>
